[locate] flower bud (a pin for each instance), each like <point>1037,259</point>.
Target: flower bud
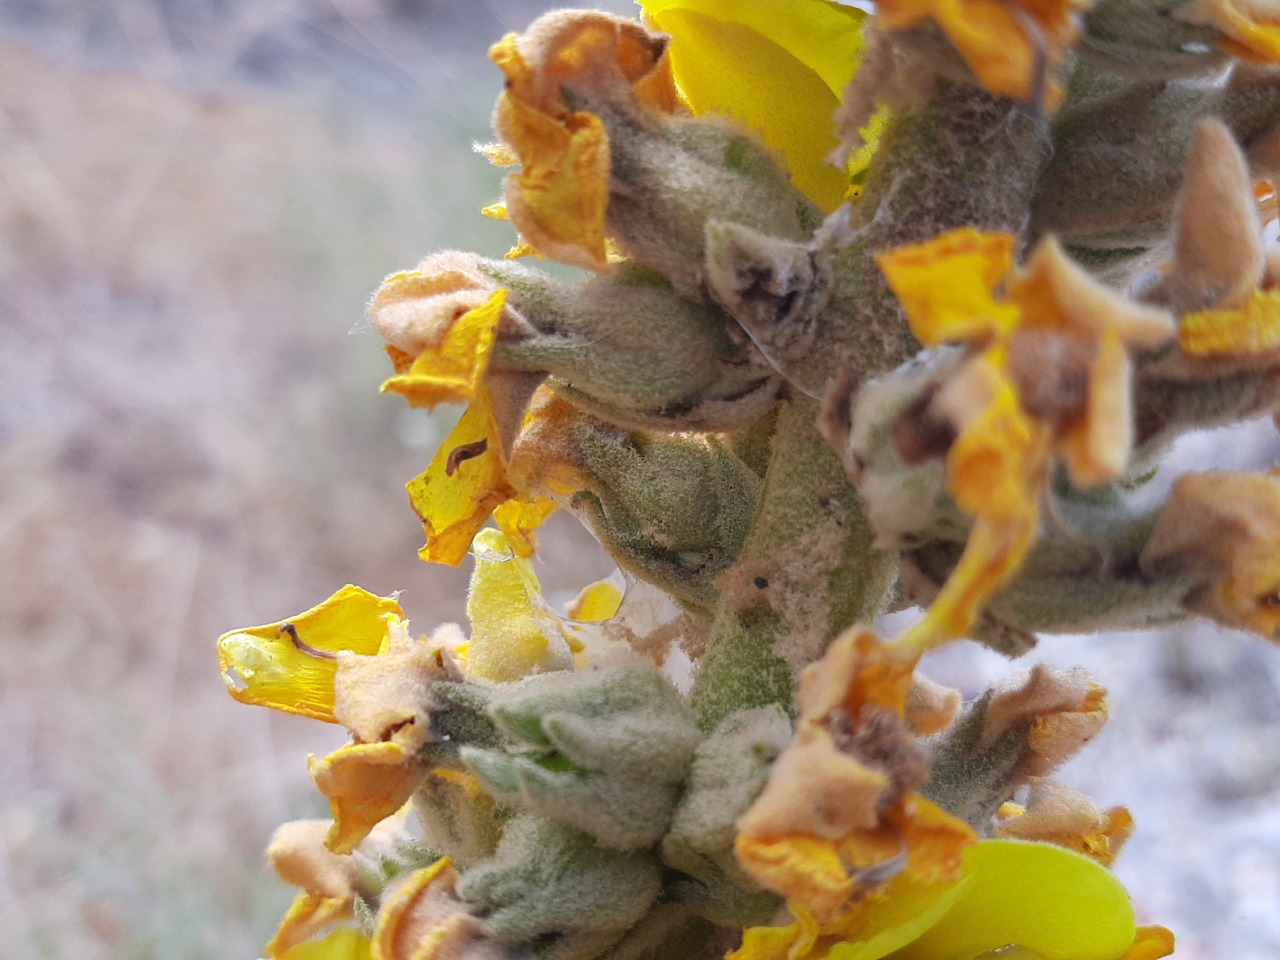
<point>602,753</point>
<point>550,883</point>
<point>1024,727</point>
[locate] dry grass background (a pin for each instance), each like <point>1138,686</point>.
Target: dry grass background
<point>196,198</point>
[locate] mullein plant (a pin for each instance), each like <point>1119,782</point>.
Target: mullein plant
<point>878,310</point>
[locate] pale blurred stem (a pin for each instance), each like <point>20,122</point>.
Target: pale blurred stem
<point>807,571</point>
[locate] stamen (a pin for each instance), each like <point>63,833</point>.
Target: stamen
<point>305,647</point>
<point>460,455</point>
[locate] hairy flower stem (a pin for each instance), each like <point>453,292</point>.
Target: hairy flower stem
<point>966,158</point>
<point>807,571</point>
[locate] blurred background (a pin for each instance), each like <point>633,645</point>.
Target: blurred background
<point>197,198</point>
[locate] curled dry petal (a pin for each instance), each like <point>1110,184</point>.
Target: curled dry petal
<point>1219,531</point>
<point>423,918</point>
<point>559,198</point>
<point>365,784</point>
<point>1063,816</point>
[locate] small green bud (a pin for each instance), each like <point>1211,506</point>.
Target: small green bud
<point>729,771</point>
<point>671,176</point>
<point>630,350</point>
<point>673,510</point>
<point>602,752</point>
<point>551,884</point>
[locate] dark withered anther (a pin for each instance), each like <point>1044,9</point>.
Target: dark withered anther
<point>880,740</point>
<point>460,455</point>
<point>292,632</point>
<point>919,434</point>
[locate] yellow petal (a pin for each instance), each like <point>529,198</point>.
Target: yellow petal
<point>777,67</point>
<point>1057,903</point>
<point>808,871</point>
<point>290,665</point>
<point>519,518</point>
<point>993,36</point>
<point>1150,943</point>
<point>452,370</point>
<point>345,943</point>
<point>365,784</point>
<point>947,285</point>
<point>512,633</point>
<point>400,933</point>
<point>466,480</point>
<point>902,915</point>
<point>792,942</point>
<point>308,914</point>
<point>1253,328</point>
<point>597,601</point>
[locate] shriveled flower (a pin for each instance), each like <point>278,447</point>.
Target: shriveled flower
<point>441,322</point>
<point>1058,814</point>
<point>1046,376</point>
<point>1008,44</point>
<point>839,817</point>
<point>1038,899</point>
<point>320,923</point>
<point>423,918</point>
<point>559,197</point>
<point>384,701</point>
<point>776,67</point>
<point>1218,532</point>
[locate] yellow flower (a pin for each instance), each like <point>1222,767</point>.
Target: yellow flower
<point>1004,42</point>
<point>839,817</point>
<point>513,632</point>
<point>367,673</point>
<point>1047,376</point>
<point>465,481</point>
<point>442,321</point>
<point>291,665</point>
<point>1054,903</point>
<point>559,197</point>
<point>776,67</point>
<point>1250,28</point>
<point>1252,327</point>
<point>342,943</point>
